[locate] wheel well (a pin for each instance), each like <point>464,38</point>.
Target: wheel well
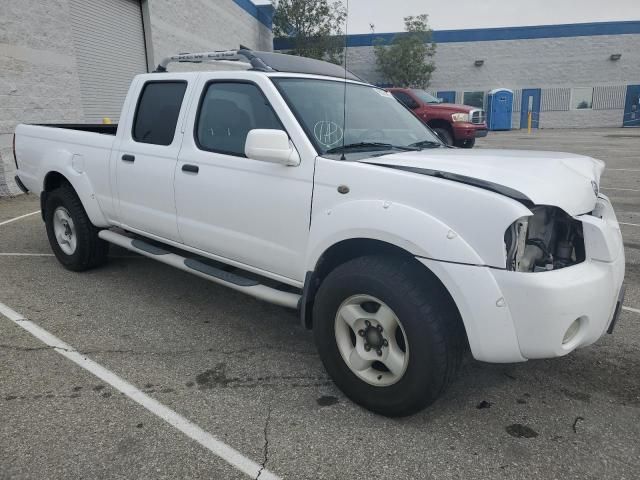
<point>438,123</point>
<point>347,250</point>
<point>52,181</point>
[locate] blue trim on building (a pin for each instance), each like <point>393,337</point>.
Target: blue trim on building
<point>492,34</point>
<point>262,13</point>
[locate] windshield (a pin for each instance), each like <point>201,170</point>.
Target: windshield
<point>425,96</point>
<point>375,120</point>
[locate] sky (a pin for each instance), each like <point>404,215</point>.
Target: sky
<point>387,15</point>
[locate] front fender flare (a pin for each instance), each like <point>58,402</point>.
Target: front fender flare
<point>406,227</point>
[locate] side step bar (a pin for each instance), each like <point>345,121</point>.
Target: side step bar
<point>208,272</point>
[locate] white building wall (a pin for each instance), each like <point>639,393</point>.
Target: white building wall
<point>38,72</point>
<point>202,25</point>
<point>532,63</point>
<point>38,76</point>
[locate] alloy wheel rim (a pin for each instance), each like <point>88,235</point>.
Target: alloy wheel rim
<point>371,340</point>
<point>64,230</point>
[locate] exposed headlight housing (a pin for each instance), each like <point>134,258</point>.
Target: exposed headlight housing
<point>547,240</point>
<point>460,117</point>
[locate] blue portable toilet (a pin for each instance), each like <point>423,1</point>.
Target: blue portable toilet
<point>499,109</point>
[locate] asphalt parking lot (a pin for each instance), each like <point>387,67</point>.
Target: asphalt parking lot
<point>248,374</point>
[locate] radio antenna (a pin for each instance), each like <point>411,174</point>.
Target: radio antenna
<point>344,96</point>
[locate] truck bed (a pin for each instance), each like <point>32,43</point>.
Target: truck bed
<point>105,129</point>
<point>70,149</point>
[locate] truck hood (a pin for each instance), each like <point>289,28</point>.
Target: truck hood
<point>564,180</point>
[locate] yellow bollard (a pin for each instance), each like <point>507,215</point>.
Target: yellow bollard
<point>529,123</point>
<point>106,121</point>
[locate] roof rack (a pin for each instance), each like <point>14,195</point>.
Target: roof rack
<point>263,62</point>
<point>216,56</point>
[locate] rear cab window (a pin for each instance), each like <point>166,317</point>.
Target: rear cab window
<point>157,112</point>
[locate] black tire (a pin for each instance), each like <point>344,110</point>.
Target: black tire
<point>430,321</point>
<point>90,251</point>
<point>469,143</point>
<point>444,135</point>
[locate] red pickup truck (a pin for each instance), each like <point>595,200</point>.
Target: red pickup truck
<point>457,125</point>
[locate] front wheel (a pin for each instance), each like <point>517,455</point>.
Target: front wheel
<point>387,334</point>
<point>73,238</point>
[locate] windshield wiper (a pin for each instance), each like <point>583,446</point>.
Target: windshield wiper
<point>426,143</point>
<point>363,145</point>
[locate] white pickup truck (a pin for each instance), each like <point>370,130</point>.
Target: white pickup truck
<point>294,182</point>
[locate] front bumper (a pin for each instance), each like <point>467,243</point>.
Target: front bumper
<point>544,305</point>
<point>514,316</point>
<point>468,131</point>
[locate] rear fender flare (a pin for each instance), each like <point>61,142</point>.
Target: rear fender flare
<point>83,188</point>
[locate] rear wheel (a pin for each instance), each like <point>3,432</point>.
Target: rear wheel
<point>73,238</point>
<point>387,334</point>
<point>444,135</point>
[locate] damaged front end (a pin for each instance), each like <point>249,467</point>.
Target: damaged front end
<point>547,240</point>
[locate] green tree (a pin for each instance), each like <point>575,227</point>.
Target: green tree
<point>314,27</point>
<point>406,62</point>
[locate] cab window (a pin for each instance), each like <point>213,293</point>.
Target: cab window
<point>228,111</point>
<point>157,112</point>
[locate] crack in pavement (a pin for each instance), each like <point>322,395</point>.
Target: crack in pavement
<point>161,389</point>
<point>146,352</point>
<point>188,351</point>
<point>24,349</point>
<point>265,448</point>
<point>30,349</point>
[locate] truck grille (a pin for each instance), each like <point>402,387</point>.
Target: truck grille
<point>477,116</point>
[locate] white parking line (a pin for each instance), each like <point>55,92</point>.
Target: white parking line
<point>18,254</point>
<point>19,218</point>
<point>26,255</point>
<point>632,224</point>
<point>193,431</point>
<point>629,309</point>
<point>625,189</point>
<point>622,170</point>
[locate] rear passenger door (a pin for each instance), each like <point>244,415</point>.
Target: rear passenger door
<point>146,160</point>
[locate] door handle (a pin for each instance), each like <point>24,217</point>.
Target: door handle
<point>128,158</point>
<point>190,168</point>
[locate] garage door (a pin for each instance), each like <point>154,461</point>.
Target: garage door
<point>109,42</point>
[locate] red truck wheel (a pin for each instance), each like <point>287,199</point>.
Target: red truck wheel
<point>469,143</point>
<point>444,135</point>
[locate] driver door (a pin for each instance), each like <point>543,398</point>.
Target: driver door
<point>249,212</point>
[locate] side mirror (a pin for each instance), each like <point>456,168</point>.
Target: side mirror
<point>271,146</point>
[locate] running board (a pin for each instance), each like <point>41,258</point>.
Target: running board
<point>232,280</point>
